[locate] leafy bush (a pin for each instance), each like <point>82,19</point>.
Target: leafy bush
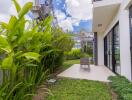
<point>26,54</point>
<point>73,54</point>
<point>49,52</point>
<point>122,86</point>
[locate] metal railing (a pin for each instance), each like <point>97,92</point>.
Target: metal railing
<point>96,0</point>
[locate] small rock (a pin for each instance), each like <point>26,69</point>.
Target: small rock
<point>51,81</point>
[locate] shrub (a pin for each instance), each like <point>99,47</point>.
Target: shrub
<point>51,57</point>
<point>122,86</point>
<point>73,54</point>
<point>27,53</point>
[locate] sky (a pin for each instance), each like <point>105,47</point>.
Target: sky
<point>72,15</point>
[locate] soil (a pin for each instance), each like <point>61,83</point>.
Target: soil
<point>113,93</point>
<point>42,91</point>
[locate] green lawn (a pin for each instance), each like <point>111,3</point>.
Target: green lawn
<point>69,89</point>
<point>69,63</point>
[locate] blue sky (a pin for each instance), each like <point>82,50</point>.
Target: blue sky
<point>70,17</point>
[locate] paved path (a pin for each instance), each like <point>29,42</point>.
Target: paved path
<point>97,73</point>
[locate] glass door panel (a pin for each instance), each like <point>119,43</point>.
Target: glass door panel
<point>116,50</point>
<point>109,50</point>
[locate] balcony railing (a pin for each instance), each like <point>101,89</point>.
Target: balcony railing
<point>36,8</point>
<point>96,0</point>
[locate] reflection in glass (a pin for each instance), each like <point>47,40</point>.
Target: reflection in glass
<point>117,49</point>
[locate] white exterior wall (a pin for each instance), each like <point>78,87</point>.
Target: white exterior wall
<point>100,41</point>
<point>125,58</point>
<point>125,41</point>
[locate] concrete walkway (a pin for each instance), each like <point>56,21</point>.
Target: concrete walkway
<point>97,73</point>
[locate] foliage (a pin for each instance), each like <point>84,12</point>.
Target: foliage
<point>26,54</point>
<point>70,89</point>
<point>49,52</point>
<point>122,86</point>
<point>62,40</point>
<point>88,50</point>
<point>75,54</point>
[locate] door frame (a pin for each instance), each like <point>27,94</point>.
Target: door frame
<point>130,25</point>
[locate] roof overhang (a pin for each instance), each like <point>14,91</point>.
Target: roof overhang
<point>103,13</point>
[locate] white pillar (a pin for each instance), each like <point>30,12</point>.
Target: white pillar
<point>100,47</point>
<point>125,58</point>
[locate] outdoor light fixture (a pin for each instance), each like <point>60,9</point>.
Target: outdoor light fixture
<point>99,25</point>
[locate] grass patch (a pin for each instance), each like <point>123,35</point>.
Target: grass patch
<point>122,86</point>
<point>69,89</point>
<point>69,63</point>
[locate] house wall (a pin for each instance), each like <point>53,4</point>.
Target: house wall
<point>125,43</point>
<point>122,17</point>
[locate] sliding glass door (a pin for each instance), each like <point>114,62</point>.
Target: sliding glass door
<point>112,50</point>
<point>109,50</point>
<point>116,49</point>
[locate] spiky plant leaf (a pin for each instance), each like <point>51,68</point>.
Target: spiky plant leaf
<point>25,9</point>
<point>18,7</point>
<point>32,56</point>
<point>4,25</point>
<point>12,22</point>
<point>7,63</point>
<point>4,45</point>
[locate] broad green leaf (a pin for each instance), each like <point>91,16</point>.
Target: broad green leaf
<point>7,62</point>
<point>14,69</point>
<point>4,45</point>
<point>25,9</point>
<point>25,37</point>
<point>12,22</point>
<point>18,7</point>
<point>4,25</point>
<point>32,55</point>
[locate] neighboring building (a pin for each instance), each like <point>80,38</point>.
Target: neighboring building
<point>42,8</point>
<point>83,39</point>
<point>86,39</point>
<point>112,26</point>
<point>77,44</point>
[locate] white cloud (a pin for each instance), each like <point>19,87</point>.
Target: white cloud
<point>66,25</point>
<point>74,3</point>
<point>79,9</point>
<point>7,9</point>
<point>60,15</point>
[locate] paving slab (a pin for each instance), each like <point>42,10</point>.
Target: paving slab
<point>96,73</point>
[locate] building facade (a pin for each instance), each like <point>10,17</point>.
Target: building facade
<point>42,9</point>
<point>112,25</point>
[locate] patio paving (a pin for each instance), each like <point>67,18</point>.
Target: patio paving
<point>97,73</point>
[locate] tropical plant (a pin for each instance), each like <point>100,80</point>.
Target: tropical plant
<point>26,54</point>
<point>20,58</point>
<point>62,40</point>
